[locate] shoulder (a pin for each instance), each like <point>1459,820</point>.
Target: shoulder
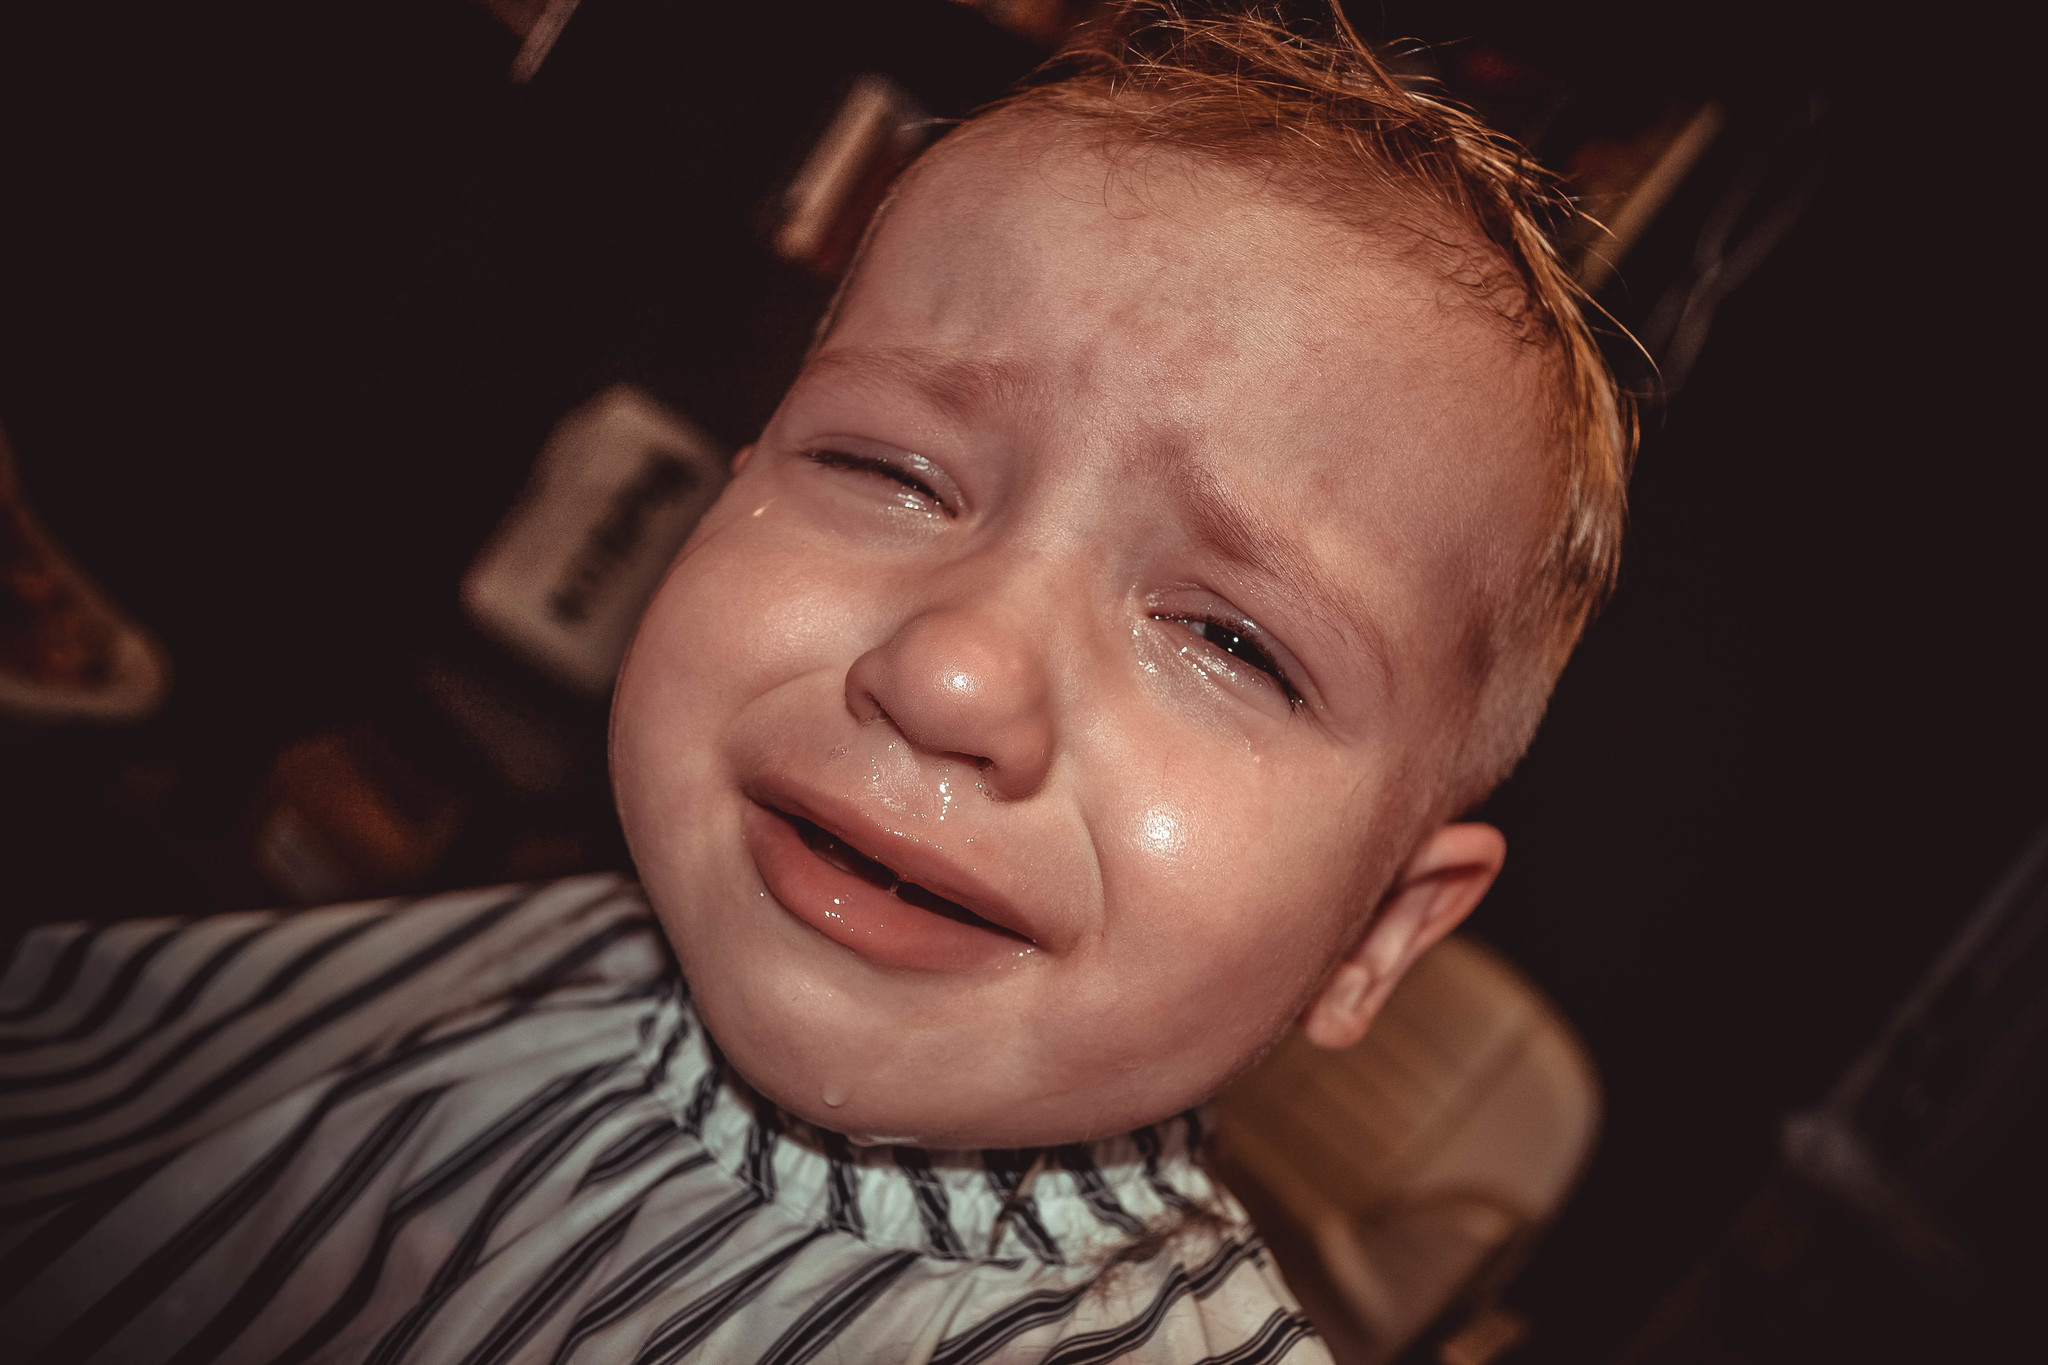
<point>66,981</point>
<point>121,1042</point>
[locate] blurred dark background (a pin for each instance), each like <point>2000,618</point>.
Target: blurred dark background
<point>290,297</point>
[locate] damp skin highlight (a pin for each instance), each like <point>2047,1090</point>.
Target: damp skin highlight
<point>1032,731</point>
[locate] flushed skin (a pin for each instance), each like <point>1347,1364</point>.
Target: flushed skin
<point>988,603</point>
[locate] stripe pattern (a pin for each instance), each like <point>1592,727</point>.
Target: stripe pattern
<point>488,1128</point>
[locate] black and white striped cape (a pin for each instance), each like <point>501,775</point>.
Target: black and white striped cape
<point>486,1128</point>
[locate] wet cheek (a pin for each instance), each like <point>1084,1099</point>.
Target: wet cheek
<point>1163,832</point>
<point>1229,878</point>
<point>1189,854</point>
<point>1186,838</point>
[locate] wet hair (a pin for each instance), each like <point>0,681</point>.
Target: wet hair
<point>1292,94</point>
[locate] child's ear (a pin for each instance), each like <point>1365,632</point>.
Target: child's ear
<point>1441,884</point>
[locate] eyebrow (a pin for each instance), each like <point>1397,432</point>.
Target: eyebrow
<point>956,387</point>
<point>1222,522</point>
<point>1231,528</point>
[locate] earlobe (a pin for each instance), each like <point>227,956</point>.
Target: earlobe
<point>1441,884</point>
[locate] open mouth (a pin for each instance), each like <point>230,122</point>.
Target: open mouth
<point>849,859</point>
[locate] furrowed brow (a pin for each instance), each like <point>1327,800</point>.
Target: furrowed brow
<point>1234,530</point>
<point>957,387</point>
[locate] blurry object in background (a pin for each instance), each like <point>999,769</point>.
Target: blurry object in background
<point>1756,211</point>
<point>346,813</point>
<point>537,23</point>
<point>66,651</point>
<point>874,133</point>
<point>1488,1335</point>
<point>525,741</point>
<point>1043,21</point>
<point>1905,1223</point>
<point>1720,169</point>
<point>1621,163</point>
<point>1400,1182</point>
<point>1512,95</point>
<point>618,487</point>
<point>1622,184</point>
<point>471,770</point>
<point>540,38</point>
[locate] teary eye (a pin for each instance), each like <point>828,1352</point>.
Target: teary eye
<point>1232,640</point>
<point>918,495</point>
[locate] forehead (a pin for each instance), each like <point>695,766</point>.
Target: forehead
<point>1168,315</point>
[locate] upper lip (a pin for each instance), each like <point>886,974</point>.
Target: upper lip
<point>912,859</point>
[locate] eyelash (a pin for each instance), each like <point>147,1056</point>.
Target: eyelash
<point>1241,646</point>
<point>1233,640</point>
<point>839,459</point>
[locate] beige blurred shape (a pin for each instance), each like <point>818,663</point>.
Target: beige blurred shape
<point>1400,1182</point>
<point>537,24</point>
<point>873,134</point>
<point>616,491</point>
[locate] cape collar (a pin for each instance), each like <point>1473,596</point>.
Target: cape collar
<point>1056,1205</point>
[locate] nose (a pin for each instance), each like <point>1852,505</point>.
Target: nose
<point>964,681</point>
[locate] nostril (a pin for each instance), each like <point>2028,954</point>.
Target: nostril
<point>960,683</point>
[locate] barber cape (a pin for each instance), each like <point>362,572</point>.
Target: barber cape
<point>488,1127</point>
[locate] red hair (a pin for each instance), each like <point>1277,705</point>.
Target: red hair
<point>1309,105</point>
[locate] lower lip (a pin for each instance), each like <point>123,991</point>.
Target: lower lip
<point>865,918</point>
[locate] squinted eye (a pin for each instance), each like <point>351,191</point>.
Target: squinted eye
<point>1234,641</point>
<point>917,495</point>
<point>1230,642</point>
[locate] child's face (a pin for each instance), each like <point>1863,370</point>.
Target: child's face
<point>1104,574</point>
